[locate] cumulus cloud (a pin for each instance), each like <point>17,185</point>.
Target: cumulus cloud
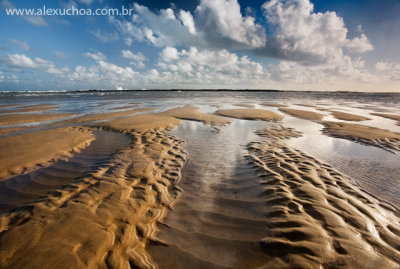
<point>195,68</point>
<point>22,61</point>
<point>221,21</point>
<point>348,70</point>
<point>306,37</point>
<point>208,66</point>
<point>214,24</point>
<point>174,68</point>
<point>389,70</point>
<point>136,59</point>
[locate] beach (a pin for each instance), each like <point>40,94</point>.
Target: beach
<point>199,179</point>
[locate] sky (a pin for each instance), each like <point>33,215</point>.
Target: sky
<point>326,45</point>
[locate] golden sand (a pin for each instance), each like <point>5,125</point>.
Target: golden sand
<point>29,118</point>
<point>25,152</point>
<point>250,114</point>
<point>142,123</point>
<point>5,131</point>
<point>33,108</point>
<point>365,134</point>
<point>106,116</point>
<point>278,132</point>
<point>107,217</point>
<point>388,116</point>
<point>316,218</point>
<point>303,114</point>
<point>347,116</point>
<point>192,113</point>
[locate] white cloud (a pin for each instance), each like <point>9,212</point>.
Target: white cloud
<point>214,24</point>
<point>221,21</point>
<point>194,68</point>
<point>306,37</point>
<point>169,54</point>
<point>359,44</point>
<point>209,67</point>
<point>186,68</point>
<point>22,44</point>
<point>389,70</point>
<point>136,59</point>
<point>345,70</point>
<point>187,20</point>
<point>22,61</point>
<point>1,76</point>
<point>96,56</point>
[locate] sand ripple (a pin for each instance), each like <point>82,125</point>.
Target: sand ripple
<point>105,219</point>
<point>317,218</point>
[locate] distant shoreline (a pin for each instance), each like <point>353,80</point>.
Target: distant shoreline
<point>184,90</point>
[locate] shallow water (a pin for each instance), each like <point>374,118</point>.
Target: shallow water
<point>26,188</point>
<point>374,169</point>
<point>219,220</point>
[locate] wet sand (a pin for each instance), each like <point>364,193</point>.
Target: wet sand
<point>253,114</point>
<point>364,134</point>
<point>367,135</point>
<point>27,152</point>
<point>303,114</point>
<point>30,118</point>
<point>21,189</point>
<point>104,116</point>
<point>348,116</point>
<point>32,108</point>
<point>317,218</point>
<point>388,116</point>
<point>5,131</point>
<point>189,189</point>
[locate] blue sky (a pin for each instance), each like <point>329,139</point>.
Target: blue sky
<point>275,44</point>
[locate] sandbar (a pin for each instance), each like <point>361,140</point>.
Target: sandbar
<point>250,114</point>
<point>303,114</point>
<point>395,117</point>
<point>347,116</point>
<point>364,134</point>
<point>192,113</point>
<point>106,116</point>
<point>32,108</point>
<point>26,152</point>
<point>29,118</point>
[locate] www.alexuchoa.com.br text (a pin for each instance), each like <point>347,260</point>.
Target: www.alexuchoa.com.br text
<point>72,11</point>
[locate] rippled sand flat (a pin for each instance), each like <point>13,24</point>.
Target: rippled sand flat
<point>193,183</point>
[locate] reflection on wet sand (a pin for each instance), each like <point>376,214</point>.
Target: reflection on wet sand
<point>251,187</point>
